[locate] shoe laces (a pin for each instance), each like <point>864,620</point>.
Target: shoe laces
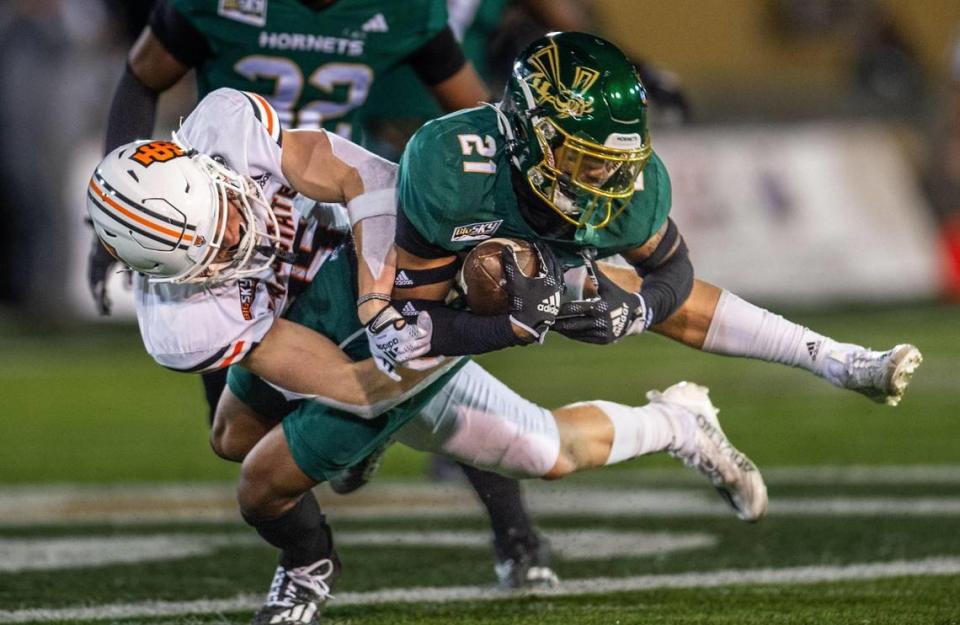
<point>284,589</point>
<point>867,371</point>
<point>706,464</point>
<point>867,367</point>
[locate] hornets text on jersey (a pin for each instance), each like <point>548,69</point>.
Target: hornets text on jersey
<point>315,66</point>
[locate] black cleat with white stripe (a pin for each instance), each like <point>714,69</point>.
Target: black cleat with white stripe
<point>298,596</point>
<point>524,563</point>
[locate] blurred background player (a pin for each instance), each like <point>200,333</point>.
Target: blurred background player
<point>492,33</point>
<point>316,62</point>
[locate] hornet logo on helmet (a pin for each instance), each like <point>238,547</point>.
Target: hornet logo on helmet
<point>549,88</point>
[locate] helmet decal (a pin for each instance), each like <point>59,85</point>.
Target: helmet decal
<point>157,152</point>
<point>577,111</point>
<point>163,210</point>
<point>549,88</point>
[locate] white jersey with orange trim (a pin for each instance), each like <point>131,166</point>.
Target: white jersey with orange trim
<point>195,328</point>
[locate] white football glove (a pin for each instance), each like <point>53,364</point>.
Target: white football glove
<point>420,364</point>
<point>393,341</point>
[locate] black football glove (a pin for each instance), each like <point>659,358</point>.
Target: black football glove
<point>604,319</point>
<point>534,302</point>
<point>99,264</point>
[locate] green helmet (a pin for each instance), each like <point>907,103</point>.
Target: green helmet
<point>576,126</point>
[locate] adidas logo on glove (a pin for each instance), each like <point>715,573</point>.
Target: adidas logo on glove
<point>618,319</point>
<point>550,305</point>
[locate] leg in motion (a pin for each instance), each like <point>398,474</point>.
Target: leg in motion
<point>739,328</point>
<point>681,421</point>
<point>522,555</point>
<point>276,499</point>
<point>478,420</point>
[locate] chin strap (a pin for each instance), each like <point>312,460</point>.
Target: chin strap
<point>506,129</point>
<point>282,255</point>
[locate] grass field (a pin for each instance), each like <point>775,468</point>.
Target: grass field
<point>113,509</point>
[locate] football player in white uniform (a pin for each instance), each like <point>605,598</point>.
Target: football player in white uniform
<point>208,222</point>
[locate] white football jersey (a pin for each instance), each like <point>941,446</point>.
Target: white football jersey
<point>195,328</point>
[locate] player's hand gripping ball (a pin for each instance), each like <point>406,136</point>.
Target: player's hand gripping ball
<point>481,277</point>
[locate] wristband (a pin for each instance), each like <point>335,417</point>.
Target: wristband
<point>366,297</point>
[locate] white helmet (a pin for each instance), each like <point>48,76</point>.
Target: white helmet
<point>162,210</point>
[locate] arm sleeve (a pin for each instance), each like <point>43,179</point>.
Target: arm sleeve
<point>438,59</point>
<point>462,333</point>
<point>666,283</point>
<point>379,177</point>
<point>132,111</point>
<point>184,41</point>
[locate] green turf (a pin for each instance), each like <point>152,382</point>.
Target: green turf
<point>90,406</point>
<point>778,542</point>
<point>908,601</point>
<point>774,543</point>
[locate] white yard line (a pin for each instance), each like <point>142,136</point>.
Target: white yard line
<point>83,551</point>
<point>658,493</point>
<point>384,500</point>
<point>597,585</point>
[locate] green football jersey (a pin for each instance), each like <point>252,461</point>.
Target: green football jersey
<point>401,94</point>
<point>455,188</point>
<point>315,66</point>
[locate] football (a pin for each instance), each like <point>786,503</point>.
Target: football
<point>481,277</point>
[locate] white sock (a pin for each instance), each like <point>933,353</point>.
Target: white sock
<point>741,329</point>
<point>642,430</point>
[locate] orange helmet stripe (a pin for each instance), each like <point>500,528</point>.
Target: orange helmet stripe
<point>185,236</point>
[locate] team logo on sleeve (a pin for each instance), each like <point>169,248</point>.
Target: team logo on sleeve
<point>476,232</point>
<point>253,12</point>
<point>248,293</point>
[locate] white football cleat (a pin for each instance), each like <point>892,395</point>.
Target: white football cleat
<point>881,376</point>
<point>734,476</point>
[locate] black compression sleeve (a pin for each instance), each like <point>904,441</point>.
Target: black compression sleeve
<point>461,333</point>
<point>132,112</point>
<point>412,241</point>
<point>668,286</point>
<point>438,59</point>
<point>187,44</point>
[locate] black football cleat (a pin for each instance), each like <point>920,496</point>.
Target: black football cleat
<point>524,564</point>
<point>298,596</point>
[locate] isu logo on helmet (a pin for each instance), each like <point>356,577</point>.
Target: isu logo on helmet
<point>157,152</point>
<point>549,87</point>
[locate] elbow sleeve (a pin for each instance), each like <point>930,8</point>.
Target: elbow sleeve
<point>667,276</point>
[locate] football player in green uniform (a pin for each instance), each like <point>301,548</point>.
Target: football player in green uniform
<point>565,160</point>
<point>315,61</point>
